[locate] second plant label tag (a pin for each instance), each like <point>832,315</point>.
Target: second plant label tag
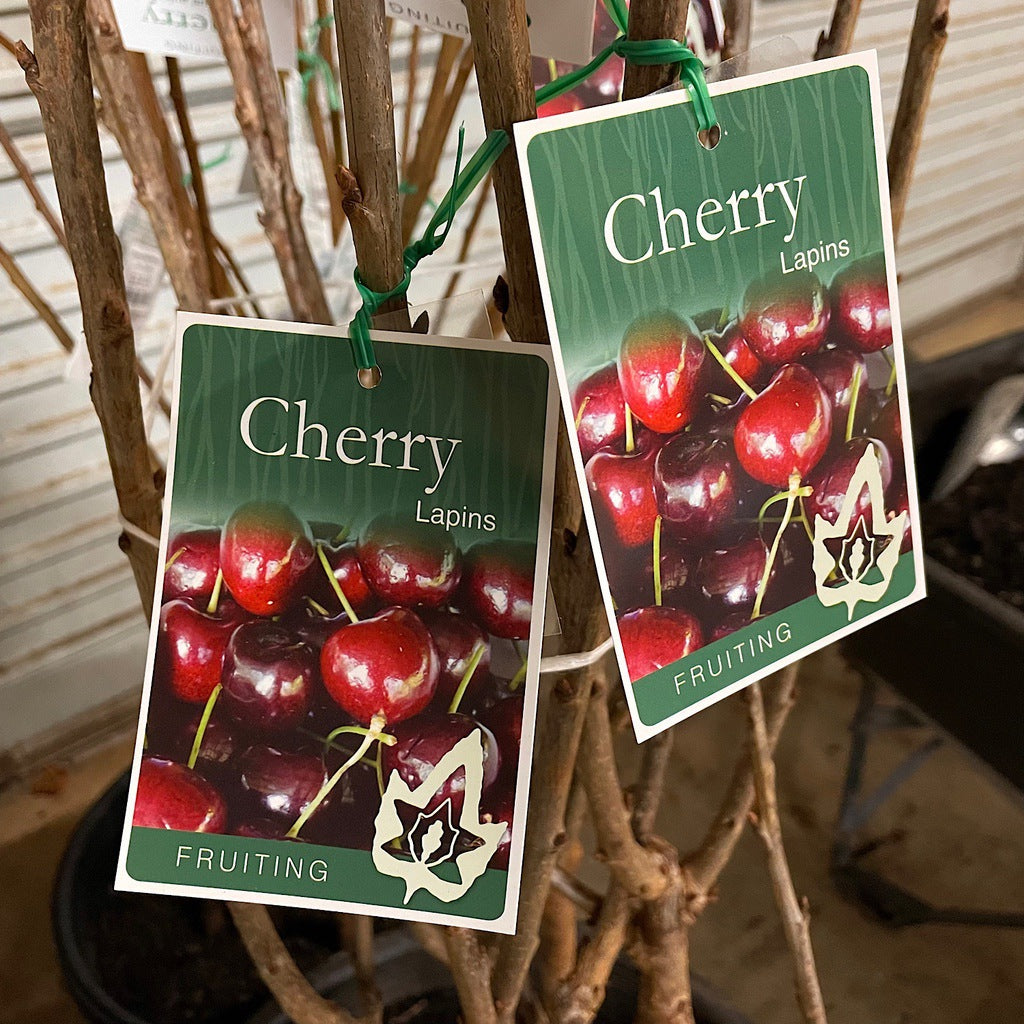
<point>727,340</point>
<point>343,666</point>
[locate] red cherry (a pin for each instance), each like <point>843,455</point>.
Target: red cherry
<point>279,783</point>
<point>728,577</point>
<point>786,429</point>
<point>860,304</point>
<point>655,637</point>
<point>695,481</point>
<point>386,666</point>
<point>836,370</point>
<point>265,553</point>
<point>422,743</point>
<point>172,796</point>
<point>785,316</point>
<point>497,587</point>
<point>193,560</point>
<point>622,490</point>
<point>410,563</point>
<point>344,562</point>
<point>600,411</point>
<point>738,354</point>
<point>831,480</point>
<point>190,648</point>
<point>500,806</point>
<point>887,426</point>
<point>268,677</point>
<point>659,366</point>
<point>564,104</point>
<point>456,638</point>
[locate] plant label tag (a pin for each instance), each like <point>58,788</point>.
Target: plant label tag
<point>185,28</point>
<point>563,30</point>
<point>727,340</point>
<point>341,689</point>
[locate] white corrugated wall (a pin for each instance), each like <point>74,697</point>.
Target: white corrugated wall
<point>71,634</point>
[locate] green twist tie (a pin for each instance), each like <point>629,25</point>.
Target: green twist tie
<point>465,180</point>
<point>642,51</point>
<point>314,64</point>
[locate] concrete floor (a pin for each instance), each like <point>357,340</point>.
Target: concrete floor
<point>963,842</point>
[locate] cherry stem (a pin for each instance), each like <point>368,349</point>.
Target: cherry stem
<point>379,770</point>
<point>342,535</point>
<point>349,611</point>
<point>580,411</point>
<point>892,380</point>
<point>377,724</point>
<point>630,441</point>
<point>801,492</point>
<point>170,561</point>
<point>854,395</point>
<point>719,399</point>
<point>657,561</point>
<point>318,608</point>
<point>517,680</point>
<point>791,495</point>
<point>204,721</point>
<point>356,730</point>
<point>803,519</point>
<point>724,363</point>
<point>215,596</point>
<point>723,319</point>
<point>478,653</point>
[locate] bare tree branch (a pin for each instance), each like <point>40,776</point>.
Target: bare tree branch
<point>132,111</point>
<point>294,994</point>
<point>653,19</point>
<point>927,41</point>
<point>27,179</point>
<point>260,114</point>
<point>839,37</point>
<point>706,862</point>
<point>795,916</point>
<point>737,27</point>
<point>470,968</point>
<point>357,933</point>
<point>370,189</point>
<point>58,75</point>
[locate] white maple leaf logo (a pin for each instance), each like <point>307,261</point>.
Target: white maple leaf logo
<point>432,839</point>
<point>867,546</point>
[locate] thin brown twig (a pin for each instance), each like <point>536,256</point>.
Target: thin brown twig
<point>28,180</point>
<point>197,180</point>
<point>357,933</point>
<point>325,44</point>
<point>437,121</point>
<point>42,308</point>
<point>470,969</point>
<point>927,41</point>
<point>650,786</point>
<point>475,216</point>
<point>58,75</point>
<point>7,43</point>
<point>411,76</point>
<point>839,36</point>
<point>295,995</point>
<point>260,114</point>
<point>132,111</point>
<point>369,185</point>
<point>653,19</point>
<point>640,870</point>
<point>795,915</point>
<point>737,28</point>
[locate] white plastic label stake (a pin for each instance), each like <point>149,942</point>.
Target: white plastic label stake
<point>184,28</point>
<point>143,263</point>
<point>563,30</point>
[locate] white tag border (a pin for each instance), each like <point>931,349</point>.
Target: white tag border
<point>525,132</point>
<point>505,922</point>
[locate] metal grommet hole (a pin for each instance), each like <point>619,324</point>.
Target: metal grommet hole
<point>710,137</point>
<point>369,377</point>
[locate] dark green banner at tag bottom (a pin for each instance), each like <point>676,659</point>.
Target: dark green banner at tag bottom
<point>770,639</point>
<point>295,870</point>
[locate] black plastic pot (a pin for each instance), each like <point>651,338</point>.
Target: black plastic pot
<point>416,987</point>
<point>958,654</point>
